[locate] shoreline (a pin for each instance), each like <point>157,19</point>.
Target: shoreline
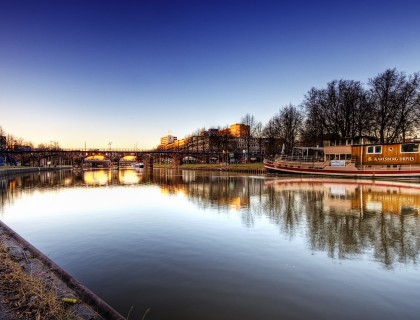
<point>6,172</point>
<point>38,265</point>
<point>255,168</point>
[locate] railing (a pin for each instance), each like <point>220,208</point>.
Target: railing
<point>113,150</point>
<point>300,158</point>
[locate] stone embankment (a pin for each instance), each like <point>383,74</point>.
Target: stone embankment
<point>16,171</point>
<point>35,287</point>
<point>39,289</point>
<point>236,168</point>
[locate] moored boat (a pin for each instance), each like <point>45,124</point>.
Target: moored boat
<point>137,165</point>
<point>355,157</point>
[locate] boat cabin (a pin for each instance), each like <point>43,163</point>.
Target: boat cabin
<point>338,151</point>
<point>308,153</point>
<point>366,151</point>
<point>387,154</point>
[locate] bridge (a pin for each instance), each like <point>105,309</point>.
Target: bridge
<point>108,156</point>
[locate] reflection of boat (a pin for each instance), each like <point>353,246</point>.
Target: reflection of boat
<point>137,165</point>
<point>127,161</point>
<point>356,157</point>
<point>356,196</point>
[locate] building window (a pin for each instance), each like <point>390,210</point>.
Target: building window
<point>409,148</point>
<point>374,149</point>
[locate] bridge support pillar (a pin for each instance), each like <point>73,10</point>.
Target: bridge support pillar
<point>176,161</point>
<point>148,164</point>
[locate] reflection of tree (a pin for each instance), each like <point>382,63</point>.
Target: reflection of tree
<point>282,209</point>
<point>393,238</point>
<point>390,237</point>
<point>344,234</point>
<point>12,188</point>
<point>339,224</point>
<point>338,235</point>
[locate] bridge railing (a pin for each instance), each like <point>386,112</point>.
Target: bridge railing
<point>113,151</point>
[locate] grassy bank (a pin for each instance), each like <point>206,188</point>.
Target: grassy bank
<point>214,166</point>
<point>25,296</point>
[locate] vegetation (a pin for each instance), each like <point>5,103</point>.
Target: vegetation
<point>239,166</point>
<point>12,142</point>
<point>387,108</point>
<point>25,295</point>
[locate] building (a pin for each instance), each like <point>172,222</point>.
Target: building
<point>234,140</point>
<point>164,141</point>
<point>238,130</point>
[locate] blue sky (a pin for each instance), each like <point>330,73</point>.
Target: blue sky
<point>129,72</point>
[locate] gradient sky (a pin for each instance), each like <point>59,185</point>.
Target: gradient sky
<point>129,72</point>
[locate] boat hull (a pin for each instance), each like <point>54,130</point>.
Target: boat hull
<point>345,172</point>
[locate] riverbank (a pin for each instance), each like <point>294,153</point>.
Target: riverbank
<point>251,168</point>
<point>13,171</point>
<point>34,287</point>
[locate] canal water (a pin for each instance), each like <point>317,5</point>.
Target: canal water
<point>193,245</point>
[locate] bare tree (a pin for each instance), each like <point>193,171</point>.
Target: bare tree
<point>284,129</point>
<point>254,127</point>
<point>3,143</point>
<point>291,120</point>
<point>314,128</point>
<point>260,138</point>
<point>395,99</point>
<point>340,110</point>
<point>271,135</point>
<point>10,141</point>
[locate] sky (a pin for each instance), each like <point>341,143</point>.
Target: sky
<point>125,73</point>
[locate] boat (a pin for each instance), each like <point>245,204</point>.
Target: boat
<point>137,165</point>
<point>351,157</point>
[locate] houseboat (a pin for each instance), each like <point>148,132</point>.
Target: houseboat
<point>352,157</point>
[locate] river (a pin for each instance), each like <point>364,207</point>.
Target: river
<point>179,244</point>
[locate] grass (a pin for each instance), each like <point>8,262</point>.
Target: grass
<point>26,296</point>
<point>239,166</point>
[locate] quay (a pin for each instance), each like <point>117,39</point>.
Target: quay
<point>250,168</point>
<point>36,264</point>
<point>88,305</point>
<point>15,171</point>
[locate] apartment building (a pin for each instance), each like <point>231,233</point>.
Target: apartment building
<point>166,140</point>
<point>234,139</point>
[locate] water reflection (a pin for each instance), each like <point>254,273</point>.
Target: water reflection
<point>345,218</point>
<point>102,177</point>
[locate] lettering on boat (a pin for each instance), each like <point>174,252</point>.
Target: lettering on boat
<point>391,159</point>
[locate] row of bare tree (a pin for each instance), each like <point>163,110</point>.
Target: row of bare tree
<point>388,108</point>
<point>13,142</point>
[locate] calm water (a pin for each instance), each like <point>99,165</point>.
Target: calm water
<point>192,245</point>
